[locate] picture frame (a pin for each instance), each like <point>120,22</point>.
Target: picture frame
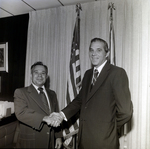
<point>4,56</point>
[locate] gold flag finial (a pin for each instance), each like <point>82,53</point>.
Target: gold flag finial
<point>111,7</point>
<point>78,8</point>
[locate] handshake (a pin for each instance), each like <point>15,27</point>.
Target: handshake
<point>55,119</point>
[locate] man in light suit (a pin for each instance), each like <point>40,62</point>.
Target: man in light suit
<point>33,114</point>
<point>104,102</point>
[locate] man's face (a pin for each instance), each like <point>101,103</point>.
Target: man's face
<point>39,75</point>
<point>97,53</point>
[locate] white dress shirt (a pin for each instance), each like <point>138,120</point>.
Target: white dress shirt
<point>100,67</point>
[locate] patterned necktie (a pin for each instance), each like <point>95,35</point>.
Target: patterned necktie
<point>95,75</point>
<point>44,99</point>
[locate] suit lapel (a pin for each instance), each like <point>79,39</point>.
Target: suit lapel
<point>103,75</point>
<point>89,80</point>
<point>50,100</point>
<point>35,96</point>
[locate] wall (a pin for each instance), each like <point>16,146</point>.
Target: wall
<point>14,31</point>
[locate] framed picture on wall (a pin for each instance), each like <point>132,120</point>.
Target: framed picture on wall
<point>4,56</point>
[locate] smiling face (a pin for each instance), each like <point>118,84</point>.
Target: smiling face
<point>39,75</point>
<point>97,53</point>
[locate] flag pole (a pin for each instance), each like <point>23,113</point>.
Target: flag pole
<point>112,58</point>
<point>73,84</point>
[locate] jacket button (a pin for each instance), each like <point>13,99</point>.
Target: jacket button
<point>48,133</point>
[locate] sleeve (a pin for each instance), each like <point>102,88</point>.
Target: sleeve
<point>74,107</point>
<point>25,114</point>
<point>124,107</point>
<point>63,115</point>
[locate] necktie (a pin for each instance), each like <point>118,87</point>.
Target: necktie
<point>95,75</point>
<point>43,98</point>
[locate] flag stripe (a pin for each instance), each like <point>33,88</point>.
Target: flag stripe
<point>77,58</point>
<point>78,80</point>
<point>78,69</point>
<point>72,80</point>
<point>70,90</point>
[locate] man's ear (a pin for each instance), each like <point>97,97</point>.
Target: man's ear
<point>107,54</point>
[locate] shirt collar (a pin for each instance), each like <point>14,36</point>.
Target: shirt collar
<point>36,87</point>
<point>100,67</point>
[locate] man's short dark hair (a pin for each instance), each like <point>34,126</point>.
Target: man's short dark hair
<point>41,64</point>
<point>100,40</point>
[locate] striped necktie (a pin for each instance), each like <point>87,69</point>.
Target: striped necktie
<point>95,75</point>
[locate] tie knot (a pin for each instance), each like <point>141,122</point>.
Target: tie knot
<point>95,73</point>
<point>40,89</point>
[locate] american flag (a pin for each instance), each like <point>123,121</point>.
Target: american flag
<point>73,82</point>
<point>112,51</point>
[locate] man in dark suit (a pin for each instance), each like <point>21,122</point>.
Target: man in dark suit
<point>33,112</point>
<point>104,101</point>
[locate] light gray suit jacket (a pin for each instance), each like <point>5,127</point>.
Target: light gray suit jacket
<point>30,111</point>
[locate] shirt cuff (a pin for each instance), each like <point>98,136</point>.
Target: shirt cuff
<point>62,113</point>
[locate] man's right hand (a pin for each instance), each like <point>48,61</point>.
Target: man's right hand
<point>55,119</point>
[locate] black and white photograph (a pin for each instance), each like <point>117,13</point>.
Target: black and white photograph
<point>75,74</point>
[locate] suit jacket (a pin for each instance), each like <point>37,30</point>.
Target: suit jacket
<point>30,111</point>
<point>103,110</point>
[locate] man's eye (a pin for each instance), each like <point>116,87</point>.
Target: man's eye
<point>99,50</point>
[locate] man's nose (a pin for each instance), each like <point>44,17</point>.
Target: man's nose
<point>39,74</point>
<point>94,53</point>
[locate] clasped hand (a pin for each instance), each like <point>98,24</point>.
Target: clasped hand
<point>55,119</point>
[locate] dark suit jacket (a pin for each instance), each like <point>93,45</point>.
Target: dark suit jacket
<point>103,110</point>
<point>30,111</point>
